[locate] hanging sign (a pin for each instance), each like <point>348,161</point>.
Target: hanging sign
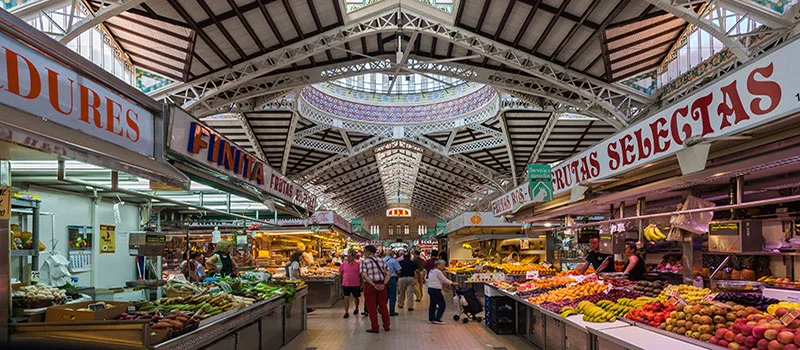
<point>355,225</point>
<point>506,202</point>
<point>398,213</point>
<point>201,144</point>
<point>761,92</point>
<point>541,182</point>
<point>36,84</point>
<point>108,239</point>
<point>5,202</point>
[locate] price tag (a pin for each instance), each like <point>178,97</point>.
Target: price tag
<point>672,291</point>
<point>719,304</point>
<point>178,277</point>
<point>532,275</point>
<point>97,307</point>
<point>5,202</point>
<point>790,316</point>
<point>35,276</point>
<point>710,297</point>
<point>675,300</point>
<point>547,264</point>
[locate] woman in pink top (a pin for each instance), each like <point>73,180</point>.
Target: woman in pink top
<point>351,283</point>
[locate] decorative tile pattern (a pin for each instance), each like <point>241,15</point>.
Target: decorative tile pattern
<point>646,83</point>
<point>398,114</point>
<point>148,82</point>
<point>698,71</point>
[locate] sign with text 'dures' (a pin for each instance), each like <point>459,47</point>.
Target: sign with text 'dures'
<point>763,91</point>
<point>195,141</point>
<point>36,84</point>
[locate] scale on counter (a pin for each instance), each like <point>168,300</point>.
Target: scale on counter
<point>735,236</point>
<point>146,243</point>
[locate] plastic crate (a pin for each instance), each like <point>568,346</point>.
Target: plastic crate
<point>502,328</point>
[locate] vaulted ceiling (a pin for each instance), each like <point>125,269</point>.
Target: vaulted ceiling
<point>555,64</point>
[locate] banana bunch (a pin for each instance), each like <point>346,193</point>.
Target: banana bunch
<point>653,233</point>
<point>635,303</point>
<point>617,309</point>
<point>594,313</point>
<point>567,311</point>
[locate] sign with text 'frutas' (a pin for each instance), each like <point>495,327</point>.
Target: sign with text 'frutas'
<point>193,140</point>
<point>763,91</point>
<point>36,84</point>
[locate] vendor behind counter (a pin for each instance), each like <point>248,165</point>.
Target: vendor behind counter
<point>599,261</point>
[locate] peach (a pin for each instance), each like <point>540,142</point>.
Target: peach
<point>781,311</point>
<point>721,333</point>
<point>762,344</point>
<point>797,339</point>
<point>747,329</point>
<point>786,337</point>
<point>729,336</point>
<point>723,343</point>
<point>790,347</point>
<point>713,340</point>
<point>771,334</point>
<point>774,345</point>
<point>750,341</point>
<point>734,346</point>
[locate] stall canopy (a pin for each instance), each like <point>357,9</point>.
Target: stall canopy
<point>320,220</point>
<point>58,102</point>
<point>209,157</point>
<point>477,222</point>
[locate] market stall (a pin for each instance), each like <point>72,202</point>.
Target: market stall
<point>324,235</point>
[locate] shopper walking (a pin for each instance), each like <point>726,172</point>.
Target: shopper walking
<point>351,283</point>
<point>419,279</point>
<point>405,283</point>
<point>375,274</point>
<point>293,270</point>
<point>394,269</point>
<point>436,281</point>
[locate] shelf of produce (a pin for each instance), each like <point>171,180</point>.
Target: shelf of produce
<point>633,338</point>
<point>678,337</point>
<point>577,321</point>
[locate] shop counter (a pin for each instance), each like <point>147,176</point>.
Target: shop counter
<point>635,338</point>
<point>576,331</point>
<point>266,325</point>
<point>324,292</point>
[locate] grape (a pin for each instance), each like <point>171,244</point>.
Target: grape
<point>758,301</point>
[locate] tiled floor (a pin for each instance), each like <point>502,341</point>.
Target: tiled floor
<point>410,331</point>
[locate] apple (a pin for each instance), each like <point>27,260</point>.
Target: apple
<point>794,324</point>
<point>713,340</point>
<point>737,328</point>
<point>762,344</point>
<point>781,311</point>
<point>771,334</point>
<point>729,336</point>
<point>758,331</point>
<point>721,333</point>
<point>790,347</point>
<point>786,337</point>
<point>723,343</point>
<point>734,346</point>
<point>747,329</point>
<point>774,345</point>
<point>797,339</point>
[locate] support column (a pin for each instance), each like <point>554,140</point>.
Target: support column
<point>5,262</point>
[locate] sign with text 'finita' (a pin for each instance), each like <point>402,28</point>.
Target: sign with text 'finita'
<point>201,144</point>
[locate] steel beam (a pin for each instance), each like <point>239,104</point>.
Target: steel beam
<point>287,147</point>
<point>540,143</point>
<point>104,13</point>
<point>251,136</point>
<point>509,148</point>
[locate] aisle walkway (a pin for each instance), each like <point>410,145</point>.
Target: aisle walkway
<point>410,331</point>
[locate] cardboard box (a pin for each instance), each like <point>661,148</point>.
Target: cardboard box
<point>69,313</point>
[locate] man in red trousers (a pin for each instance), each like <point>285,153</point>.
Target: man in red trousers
<point>375,274</point>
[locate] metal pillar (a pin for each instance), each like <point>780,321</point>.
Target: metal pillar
<point>5,264</point>
<point>640,210</point>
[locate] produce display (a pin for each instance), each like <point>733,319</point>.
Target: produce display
<point>38,296</point>
<point>757,301</point>
<point>705,320</point>
<point>594,313</point>
<point>572,292</point>
<point>205,305</point>
<point>690,294</point>
<point>652,314</point>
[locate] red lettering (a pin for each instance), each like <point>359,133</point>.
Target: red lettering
<point>644,145</point>
<point>52,87</point>
<point>658,134</point>
<point>93,106</point>
<point>559,176</point>
<point>682,112</point>
<point>731,106</point>
<point>132,119</point>
<point>700,112</point>
<point>12,64</point>
<point>595,165</point>
<point>584,169</point>
<point>770,89</point>
<point>613,156</point>
<point>627,150</point>
<point>112,117</point>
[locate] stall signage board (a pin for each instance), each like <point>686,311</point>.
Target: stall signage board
<point>532,275</point>
<point>196,141</point>
<point>508,201</point>
<point>441,228</point>
<point>5,202</point>
<point>108,239</point>
<point>36,84</point>
<point>355,225</point>
<point>761,92</point>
